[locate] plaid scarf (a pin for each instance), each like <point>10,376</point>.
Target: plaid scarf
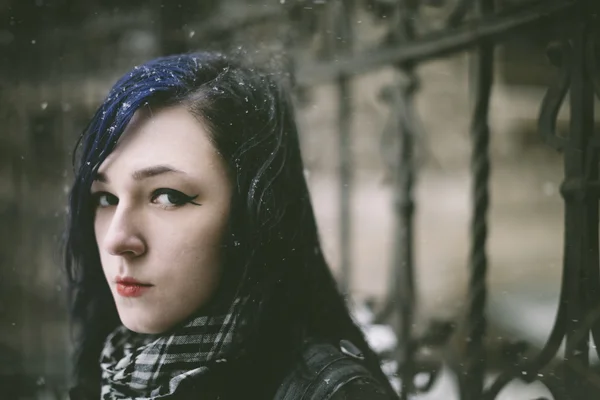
<point>148,367</point>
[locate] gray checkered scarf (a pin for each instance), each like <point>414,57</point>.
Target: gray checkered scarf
<point>145,367</point>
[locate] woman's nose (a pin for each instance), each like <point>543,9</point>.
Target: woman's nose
<point>124,237</point>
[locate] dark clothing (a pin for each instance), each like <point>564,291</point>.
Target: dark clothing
<point>325,372</point>
<point>360,389</point>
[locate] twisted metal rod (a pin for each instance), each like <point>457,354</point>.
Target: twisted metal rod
<point>471,384</point>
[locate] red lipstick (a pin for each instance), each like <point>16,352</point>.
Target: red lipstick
<point>130,287</point>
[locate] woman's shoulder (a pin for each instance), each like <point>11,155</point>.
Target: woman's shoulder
<point>329,372</point>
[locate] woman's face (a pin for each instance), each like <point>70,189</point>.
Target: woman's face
<point>163,198</point>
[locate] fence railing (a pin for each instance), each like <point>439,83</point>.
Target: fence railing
<point>575,55</point>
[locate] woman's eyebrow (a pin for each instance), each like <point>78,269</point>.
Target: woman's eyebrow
<point>144,173</point>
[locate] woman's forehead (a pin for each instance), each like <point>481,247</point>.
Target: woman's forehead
<point>170,136</point>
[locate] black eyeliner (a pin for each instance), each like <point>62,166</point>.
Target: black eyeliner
<point>185,198</point>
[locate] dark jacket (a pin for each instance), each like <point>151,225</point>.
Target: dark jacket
<point>325,372</point>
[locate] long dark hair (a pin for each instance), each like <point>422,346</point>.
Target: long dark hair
<point>273,253</point>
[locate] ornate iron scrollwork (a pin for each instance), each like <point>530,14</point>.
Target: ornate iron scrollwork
<point>559,54</point>
<point>471,378</point>
<point>575,318</point>
<point>408,43</point>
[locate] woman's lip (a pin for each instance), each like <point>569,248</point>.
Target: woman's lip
<point>126,280</point>
<point>131,290</point>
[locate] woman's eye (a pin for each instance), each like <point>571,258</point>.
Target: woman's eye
<point>106,199</point>
<point>171,197</point>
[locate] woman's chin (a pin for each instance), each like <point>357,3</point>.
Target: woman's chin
<point>148,326</point>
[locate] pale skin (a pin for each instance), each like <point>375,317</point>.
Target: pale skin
<point>143,230</point>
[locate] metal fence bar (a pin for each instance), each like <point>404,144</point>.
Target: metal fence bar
<point>404,183</point>
<point>438,44</point>
<point>344,88</point>
<point>472,377</point>
<point>404,281</point>
<point>530,369</point>
<point>581,211</point>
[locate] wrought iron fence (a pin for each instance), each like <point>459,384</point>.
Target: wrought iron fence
<point>478,26</point>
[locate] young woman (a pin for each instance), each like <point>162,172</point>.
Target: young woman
<point>192,253</point>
